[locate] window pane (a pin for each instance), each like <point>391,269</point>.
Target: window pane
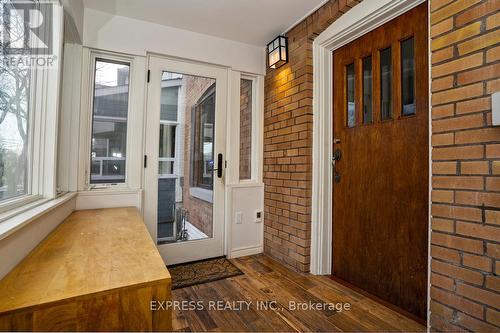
<point>170,84</point>
<point>246,129</point>
<point>386,84</point>
<point>167,140</point>
<point>367,91</point>
<point>408,77</point>
<point>109,125</point>
<point>351,106</point>
<point>186,158</point>
<point>14,117</point>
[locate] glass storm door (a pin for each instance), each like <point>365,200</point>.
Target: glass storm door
<point>185,157</point>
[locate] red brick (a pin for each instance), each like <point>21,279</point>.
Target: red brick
<point>457,302</point>
<point>457,94</point>
<point>459,243</point>
<point>443,225</point>
<point>479,295</point>
<point>451,9</point>
<point>493,250</point>
<point>444,168</point>
<point>445,254</point>
<point>458,153</point>
<point>475,168</point>
<point>458,123</point>
<point>492,217</point>
<point>476,12</point>
<point>478,136</point>
<point>493,316</point>
<point>457,65</point>
<point>458,182</point>
<point>442,281</point>
<point>474,324</point>
<point>475,105</point>
<point>478,262</point>
<point>478,231</point>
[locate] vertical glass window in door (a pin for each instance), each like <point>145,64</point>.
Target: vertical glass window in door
<point>367,91</point>
<point>386,84</point>
<point>186,158</point>
<point>408,77</point>
<point>351,106</point>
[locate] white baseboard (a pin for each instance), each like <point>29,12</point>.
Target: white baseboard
<point>245,251</point>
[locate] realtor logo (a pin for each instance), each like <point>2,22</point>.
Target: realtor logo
<point>26,27</point>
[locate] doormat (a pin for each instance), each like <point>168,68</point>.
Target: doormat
<point>203,271</point>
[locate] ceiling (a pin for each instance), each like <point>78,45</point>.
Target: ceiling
<point>253,22</point>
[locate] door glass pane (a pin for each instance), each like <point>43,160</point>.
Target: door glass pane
<point>109,122</point>
<point>386,84</point>
<point>351,107</point>
<point>367,91</point>
<point>186,158</point>
<point>408,77</point>
<point>246,129</point>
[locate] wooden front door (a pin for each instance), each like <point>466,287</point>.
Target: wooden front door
<point>381,171</point>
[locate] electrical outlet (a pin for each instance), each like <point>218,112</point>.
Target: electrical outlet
<point>238,219</point>
<point>258,217</point>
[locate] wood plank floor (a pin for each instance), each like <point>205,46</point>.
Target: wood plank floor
<point>266,280</point>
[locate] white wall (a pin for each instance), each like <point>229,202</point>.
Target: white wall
<point>76,11</point>
<point>122,34</point>
<point>246,238</point>
<point>19,244</point>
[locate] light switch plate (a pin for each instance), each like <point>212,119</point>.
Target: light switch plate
<point>239,218</point>
<point>495,108</point>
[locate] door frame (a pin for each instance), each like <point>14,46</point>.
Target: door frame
<point>220,73</point>
<point>361,19</point>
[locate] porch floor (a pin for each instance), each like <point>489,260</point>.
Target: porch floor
<point>267,280</point>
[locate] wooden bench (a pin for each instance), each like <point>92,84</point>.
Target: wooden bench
<point>97,271</point>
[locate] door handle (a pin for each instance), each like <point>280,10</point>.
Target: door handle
<point>337,156</point>
<point>220,166</point>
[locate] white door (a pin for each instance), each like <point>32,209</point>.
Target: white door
<point>185,158</point>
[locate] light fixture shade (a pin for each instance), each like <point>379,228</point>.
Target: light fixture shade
<point>277,52</point>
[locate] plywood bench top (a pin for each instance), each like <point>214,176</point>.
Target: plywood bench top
<point>91,252</point>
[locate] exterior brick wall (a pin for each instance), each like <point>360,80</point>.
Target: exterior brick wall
<point>465,208</point>
<point>200,211</point>
<point>246,129</point>
<point>288,143</point>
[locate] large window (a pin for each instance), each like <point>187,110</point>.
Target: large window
<point>14,136</point>
<point>109,122</point>
<point>15,85</point>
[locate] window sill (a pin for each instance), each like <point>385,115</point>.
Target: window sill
<point>202,194</point>
<point>14,220</point>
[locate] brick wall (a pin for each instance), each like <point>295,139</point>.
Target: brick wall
<point>200,211</point>
<point>288,143</point>
<point>466,158</point>
<point>246,129</point>
<point>466,165</point>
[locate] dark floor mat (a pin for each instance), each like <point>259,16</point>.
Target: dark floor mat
<point>209,270</point>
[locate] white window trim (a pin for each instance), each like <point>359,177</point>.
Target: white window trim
<point>363,18</point>
<point>202,194</point>
<point>257,153</point>
<point>135,120</point>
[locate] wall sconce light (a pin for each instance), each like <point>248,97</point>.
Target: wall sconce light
<point>277,52</point>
